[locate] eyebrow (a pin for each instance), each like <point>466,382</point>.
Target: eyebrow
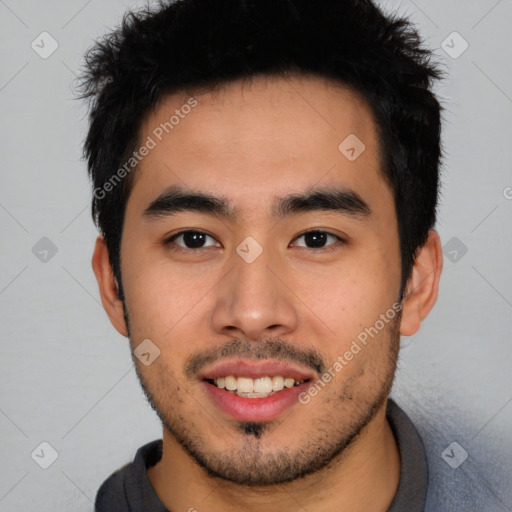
<point>178,199</point>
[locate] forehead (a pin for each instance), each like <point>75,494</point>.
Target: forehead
<point>260,137</point>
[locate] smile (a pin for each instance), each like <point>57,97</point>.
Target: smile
<point>255,390</point>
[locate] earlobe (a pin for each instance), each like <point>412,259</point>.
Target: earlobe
<point>423,285</point>
<point>108,286</point>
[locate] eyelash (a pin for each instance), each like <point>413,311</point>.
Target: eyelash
<point>171,241</point>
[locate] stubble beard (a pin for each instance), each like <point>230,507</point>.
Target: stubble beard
<point>252,463</point>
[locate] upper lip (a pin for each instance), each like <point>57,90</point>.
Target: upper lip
<point>255,369</point>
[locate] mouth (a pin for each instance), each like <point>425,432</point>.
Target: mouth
<point>256,391</point>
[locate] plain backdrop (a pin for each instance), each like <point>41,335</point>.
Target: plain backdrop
<point>66,375</point>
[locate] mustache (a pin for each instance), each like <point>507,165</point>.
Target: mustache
<point>268,348</point>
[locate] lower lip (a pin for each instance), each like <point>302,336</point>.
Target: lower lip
<point>255,409</point>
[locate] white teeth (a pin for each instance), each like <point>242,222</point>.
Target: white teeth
<point>262,385</point>
<point>256,388</point>
<point>245,385</point>
<point>277,383</point>
<point>288,383</point>
<point>230,383</point>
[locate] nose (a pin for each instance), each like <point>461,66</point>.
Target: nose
<point>254,301</point>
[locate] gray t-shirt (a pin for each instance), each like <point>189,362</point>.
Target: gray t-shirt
<point>129,488</point>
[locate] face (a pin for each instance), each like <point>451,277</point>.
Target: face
<point>259,255</point>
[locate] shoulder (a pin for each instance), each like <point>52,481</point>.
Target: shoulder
<point>414,475</point>
<point>128,486</point>
<point>111,495</point>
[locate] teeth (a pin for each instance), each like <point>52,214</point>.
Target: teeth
<point>230,383</point>
<point>256,388</point>
<point>277,383</point>
<point>288,383</point>
<point>245,385</point>
<point>262,385</point>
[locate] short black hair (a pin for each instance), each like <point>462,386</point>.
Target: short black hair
<point>203,44</point>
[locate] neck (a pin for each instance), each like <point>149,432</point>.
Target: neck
<point>364,477</point>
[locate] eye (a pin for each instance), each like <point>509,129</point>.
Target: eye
<point>192,240</point>
<point>317,239</point>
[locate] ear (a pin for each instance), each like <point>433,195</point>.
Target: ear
<point>423,285</point>
<point>108,286</point>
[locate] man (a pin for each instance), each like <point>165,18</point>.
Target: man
<point>265,183</point>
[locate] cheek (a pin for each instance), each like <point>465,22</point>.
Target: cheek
<point>160,294</point>
<point>350,297</point>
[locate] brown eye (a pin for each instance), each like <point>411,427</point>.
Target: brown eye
<point>193,240</point>
<point>317,239</point>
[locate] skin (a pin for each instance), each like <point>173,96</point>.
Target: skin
<point>253,142</point>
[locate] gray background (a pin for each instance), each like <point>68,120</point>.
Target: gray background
<point>66,375</point>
